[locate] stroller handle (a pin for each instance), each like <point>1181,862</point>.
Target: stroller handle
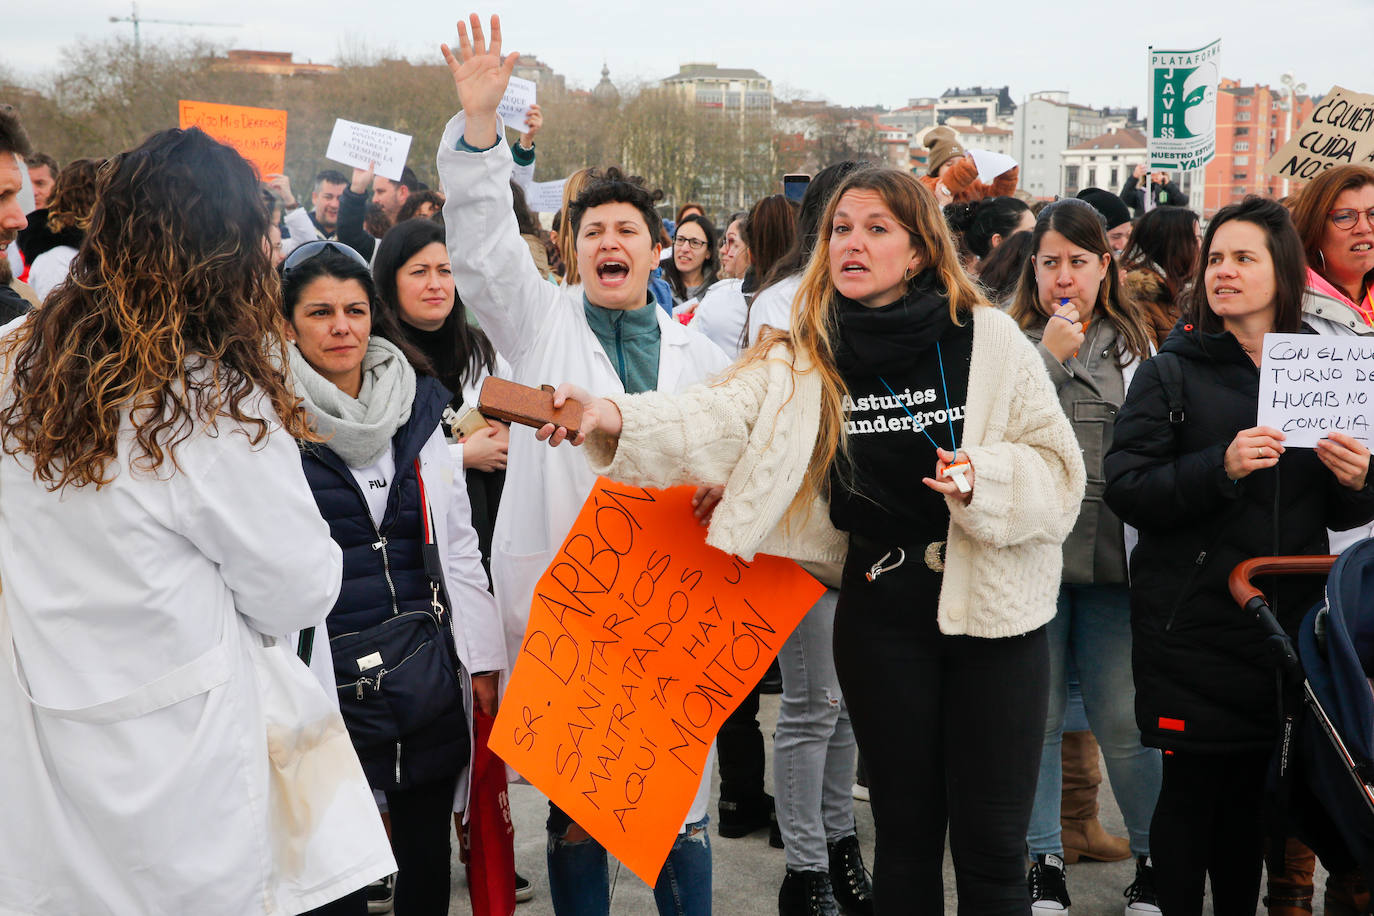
<point>1252,600</point>
<point>1243,590</point>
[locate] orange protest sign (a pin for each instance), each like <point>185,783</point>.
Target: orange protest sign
<point>259,134</point>
<point>641,641</point>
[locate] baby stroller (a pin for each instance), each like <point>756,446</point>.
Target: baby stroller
<point>1323,778</point>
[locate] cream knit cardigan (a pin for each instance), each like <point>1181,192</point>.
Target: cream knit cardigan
<point>755,430</point>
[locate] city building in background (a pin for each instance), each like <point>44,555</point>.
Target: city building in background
<point>1046,125</point>
<point>269,63</point>
<point>735,91</point>
<point>1252,123</point>
<point>980,105</point>
<point>1105,161</point>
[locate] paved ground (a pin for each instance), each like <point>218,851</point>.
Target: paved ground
<point>747,872</point>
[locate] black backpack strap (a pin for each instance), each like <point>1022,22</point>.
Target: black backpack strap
<point>1171,377</point>
<point>305,644</point>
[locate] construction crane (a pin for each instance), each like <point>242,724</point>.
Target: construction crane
<point>136,19</point>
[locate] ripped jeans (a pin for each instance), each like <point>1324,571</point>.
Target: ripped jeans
<point>580,883</point>
<point>813,745</point>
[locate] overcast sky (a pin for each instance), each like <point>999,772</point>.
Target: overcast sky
<point>874,52</point>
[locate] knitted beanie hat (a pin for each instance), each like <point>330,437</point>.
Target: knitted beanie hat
<point>944,145</point>
<point>1113,211</point>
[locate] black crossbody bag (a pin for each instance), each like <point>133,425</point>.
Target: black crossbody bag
<point>402,675</point>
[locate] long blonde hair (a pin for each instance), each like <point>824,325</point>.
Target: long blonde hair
<point>567,238</point>
<point>814,314</point>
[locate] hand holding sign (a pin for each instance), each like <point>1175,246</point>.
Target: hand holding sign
<point>1345,457</point>
<point>641,641</point>
<point>1253,449</point>
<point>516,105</point>
<point>365,147</point>
<point>1313,386</point>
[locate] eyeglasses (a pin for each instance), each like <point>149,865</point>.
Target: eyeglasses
<point>694,244</point>
<point>313,249</point>
<point>1347,218</point>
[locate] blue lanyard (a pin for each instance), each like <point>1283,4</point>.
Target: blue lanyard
<point>949,412</point>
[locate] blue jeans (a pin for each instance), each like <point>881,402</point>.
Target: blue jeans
<point>813,744</point>
<point>580,883</point>
<point>1093,629</point>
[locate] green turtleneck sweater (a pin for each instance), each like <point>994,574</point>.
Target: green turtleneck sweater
<point>631,340</point>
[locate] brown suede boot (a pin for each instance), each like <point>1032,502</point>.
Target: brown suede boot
<point>1290,894</point>
<point>1083,836</point>
<point>1347,894</point>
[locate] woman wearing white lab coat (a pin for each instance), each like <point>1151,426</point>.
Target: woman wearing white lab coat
<point>547,334</point>
<point>146,565</point>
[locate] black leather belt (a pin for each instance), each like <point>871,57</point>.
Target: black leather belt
<point>891,556</point>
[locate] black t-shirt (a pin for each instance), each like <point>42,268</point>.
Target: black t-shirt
<point>879,493</point>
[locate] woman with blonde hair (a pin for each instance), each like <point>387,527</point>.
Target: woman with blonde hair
<point>156,534</point>
<point>895,364</point>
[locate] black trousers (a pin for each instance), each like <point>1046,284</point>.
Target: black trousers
<point>421,824</point>
<point>739,751</point>
<point>950,729</point>
<point>1208,822</point>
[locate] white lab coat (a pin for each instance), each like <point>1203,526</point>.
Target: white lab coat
<point>137,784</point>
<point>542,331</point>
<point>721,315</point>
<point>773,307</point>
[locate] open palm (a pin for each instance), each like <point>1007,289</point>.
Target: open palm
<point>479,73</point>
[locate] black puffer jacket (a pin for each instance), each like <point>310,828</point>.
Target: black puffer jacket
<point>1202,682</point>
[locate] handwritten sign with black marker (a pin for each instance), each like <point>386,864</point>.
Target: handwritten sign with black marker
<point>1313,385</point>
<point>641,642</point>
<point>1339,132</point>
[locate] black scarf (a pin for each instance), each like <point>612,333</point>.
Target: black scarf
<point>874,341</point>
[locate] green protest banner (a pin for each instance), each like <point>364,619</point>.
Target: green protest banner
<point>1183,107</point>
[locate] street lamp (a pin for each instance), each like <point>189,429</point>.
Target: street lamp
<point>1290,102</point>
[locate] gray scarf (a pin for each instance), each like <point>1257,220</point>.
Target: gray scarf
<point>359,430</point>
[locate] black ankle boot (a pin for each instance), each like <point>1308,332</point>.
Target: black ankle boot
<point>849,879</point>
<point>741,818</point>
<point>806,893</point>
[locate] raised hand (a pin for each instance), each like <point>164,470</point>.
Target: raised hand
<point>481,77</point>
<point>362,179</point>
<point>535,119</point>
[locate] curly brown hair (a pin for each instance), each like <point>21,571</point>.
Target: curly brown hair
<point>171,316</point>
<point>73,195</point>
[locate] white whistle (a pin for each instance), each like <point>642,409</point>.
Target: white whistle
<point>956,472</point>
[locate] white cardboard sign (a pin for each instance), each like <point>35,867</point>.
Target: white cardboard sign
<point>359,145</point>
<point>545,196</point>
<point>1312,385</point>
<point>991,164</point>
<point>516,103</point>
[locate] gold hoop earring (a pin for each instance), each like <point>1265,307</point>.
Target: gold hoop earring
<point>1321,254</point>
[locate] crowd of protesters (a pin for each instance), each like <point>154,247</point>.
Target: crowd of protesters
<point>237,432</point>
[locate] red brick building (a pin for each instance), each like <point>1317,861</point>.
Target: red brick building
<point>1251,125</point>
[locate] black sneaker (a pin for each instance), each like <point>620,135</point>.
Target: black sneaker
<point>1048,892</point>
<point>523,889</point>
<point>849,879</point>
<point>1140,896</point>
<point>806,893</point>
<point>381,895</point>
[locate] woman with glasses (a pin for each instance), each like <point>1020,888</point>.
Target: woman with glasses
<point>411,621</point>
<point>1334,216</point>
<point>695,261</point>
<point>156,532</point>
<point>1091,338</point>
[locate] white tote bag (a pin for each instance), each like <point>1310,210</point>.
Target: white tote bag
<point>327,836</point>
